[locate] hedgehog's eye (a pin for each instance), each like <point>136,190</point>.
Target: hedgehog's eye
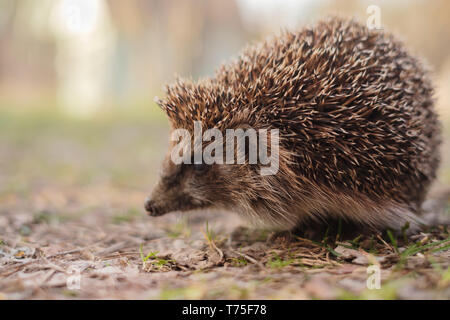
<point>200,167</point>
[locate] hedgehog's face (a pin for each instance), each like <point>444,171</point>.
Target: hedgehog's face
<point>186,187</point>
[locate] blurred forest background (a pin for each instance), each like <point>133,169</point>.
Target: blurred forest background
<point>78,77</point>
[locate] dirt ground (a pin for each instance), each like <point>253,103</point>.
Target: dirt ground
<point>72,226</point>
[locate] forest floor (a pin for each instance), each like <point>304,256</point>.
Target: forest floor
<point>72,226</point>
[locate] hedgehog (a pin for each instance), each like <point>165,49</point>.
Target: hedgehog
<point>358,134</point>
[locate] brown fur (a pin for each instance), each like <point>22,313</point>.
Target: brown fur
<point>359,136</point>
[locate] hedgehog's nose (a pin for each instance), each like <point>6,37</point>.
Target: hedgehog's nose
<point>150,207</point>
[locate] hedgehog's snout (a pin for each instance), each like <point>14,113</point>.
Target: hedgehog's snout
<point>152,208</point>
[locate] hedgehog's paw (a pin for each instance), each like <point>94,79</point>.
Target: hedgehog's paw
<point>279,237</point>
